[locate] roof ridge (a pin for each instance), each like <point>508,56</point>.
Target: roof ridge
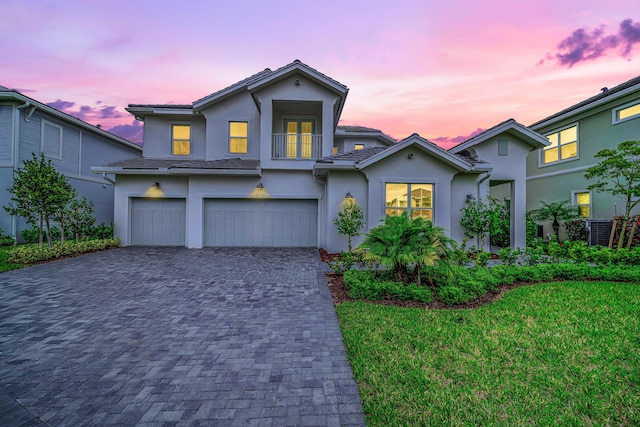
<point>606,92</point>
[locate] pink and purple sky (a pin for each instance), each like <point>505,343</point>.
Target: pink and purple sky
<point>443,69</point>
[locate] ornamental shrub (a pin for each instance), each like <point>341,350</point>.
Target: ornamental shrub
<point>33,253</point>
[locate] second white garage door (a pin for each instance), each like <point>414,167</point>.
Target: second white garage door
<point>251,222</point>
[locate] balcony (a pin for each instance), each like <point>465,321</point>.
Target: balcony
<point>292,146</point>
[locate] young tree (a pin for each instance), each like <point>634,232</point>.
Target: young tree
<point>349,221</point>
<point>476,221</point>
<point>555,212</point>
<point>39,192</point>
<point>618,174</point>
<point>81,217</point>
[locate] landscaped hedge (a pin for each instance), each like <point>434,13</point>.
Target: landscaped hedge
<point>30,254</point>
<point>364,284</point>
<point>459,285</point>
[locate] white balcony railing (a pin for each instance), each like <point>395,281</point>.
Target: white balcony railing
<point>293,146</point>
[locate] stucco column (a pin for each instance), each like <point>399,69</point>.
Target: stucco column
<point>266,130</point>
<point>194,218</point>
<point>518,213</point>
<point>327,128</point>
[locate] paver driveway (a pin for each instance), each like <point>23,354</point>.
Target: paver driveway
<point>174,336</point>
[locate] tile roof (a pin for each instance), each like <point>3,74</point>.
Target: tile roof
<point>357,128</point>
<point>232,163</point>
<point>353,156</point>
<point>237,85</point>
<point>182,106</point>
<point>604,94</point>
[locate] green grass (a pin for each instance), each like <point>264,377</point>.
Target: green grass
<point>551,354</point>
<point>4,265</point>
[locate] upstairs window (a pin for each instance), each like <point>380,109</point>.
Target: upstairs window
<point>181,140</point>
<point>358,147</point>
<point>627,112</point>
<point>334,150</point>
<point>415,199</point>
<point>563,146</point>
<point>51,142</point>
<point>582,199</point>
<point>238,137</point>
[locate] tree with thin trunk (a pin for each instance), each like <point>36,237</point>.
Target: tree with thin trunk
<point>39,193</point>
<point>618,173</point>
<point>350,219</point>
<point>556,212</point>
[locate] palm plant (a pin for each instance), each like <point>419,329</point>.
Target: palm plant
<point>406,245</point>
<point>556,211</point>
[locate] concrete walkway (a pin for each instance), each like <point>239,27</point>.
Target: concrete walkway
<point>171,336</point>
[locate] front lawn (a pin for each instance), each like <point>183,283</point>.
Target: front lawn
<point>563,353</point>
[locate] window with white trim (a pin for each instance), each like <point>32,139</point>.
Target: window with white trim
<point>563,146</point>
<point>181,140</point>
<point>51,140</point>
<point>626,112</point>
<point>415,199</point>
<point>582,199</point>
<point>358,147</point>
<point>238,137</point>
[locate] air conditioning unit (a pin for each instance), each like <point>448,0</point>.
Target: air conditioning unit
<point>599,232</point>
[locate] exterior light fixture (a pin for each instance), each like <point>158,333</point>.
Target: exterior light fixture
<point>154,191</point>
<point>348,196</point>
<point>259,192</point>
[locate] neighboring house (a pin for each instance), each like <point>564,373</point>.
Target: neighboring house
<point>74,146</point>
<point>576,134</point>
<point>254,165</point>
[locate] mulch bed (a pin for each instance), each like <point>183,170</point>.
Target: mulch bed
<point>339,293</point>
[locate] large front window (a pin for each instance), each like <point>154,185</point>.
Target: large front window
<point>563,146</point>
<point>415,199</point>
<point>181,137</point>
<point>238,137</point>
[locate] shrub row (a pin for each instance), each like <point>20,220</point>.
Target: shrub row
<point>459,285</point>
<point>363,284</point>
<point>30,254</point>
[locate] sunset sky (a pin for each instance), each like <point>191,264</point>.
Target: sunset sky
<point>443,69</point>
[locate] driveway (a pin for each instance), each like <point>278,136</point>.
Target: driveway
<point>172,336</point>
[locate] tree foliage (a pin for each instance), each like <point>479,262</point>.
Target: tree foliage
<point>39,193</point>
<point>476,220</point>
<point>555,212</point>
<point>618,173</point>
<point>350,219</point>
<point>405,245</point>
<point>81,217</point>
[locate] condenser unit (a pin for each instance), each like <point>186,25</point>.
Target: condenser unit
<point>599,232</point>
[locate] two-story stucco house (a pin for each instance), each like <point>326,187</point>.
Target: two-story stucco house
<point>576,134</point>
<point>264,163</point>
<point>74,146</point>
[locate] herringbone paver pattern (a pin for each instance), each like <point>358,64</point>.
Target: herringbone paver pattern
<point>171,336</point>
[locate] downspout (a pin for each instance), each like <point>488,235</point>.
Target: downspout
<point>106,178</point>
<point>16,159</point>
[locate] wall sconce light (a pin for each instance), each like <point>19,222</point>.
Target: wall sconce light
<point>259,192</point>
<point>470,198</point>
<point>410,156</point>
<point>297,82</point>
<point>154,191</point>
<point>348,196</point>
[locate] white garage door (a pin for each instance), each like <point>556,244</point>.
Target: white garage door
<point>251,222</point>
<point>158,222</point>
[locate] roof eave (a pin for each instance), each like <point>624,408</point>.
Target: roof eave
<point>67,117</point>
<point>174,171</point>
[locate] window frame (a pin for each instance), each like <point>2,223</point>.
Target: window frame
<point>574,201</point>
<point>229,136</point>
<point>355,147</point>
<point>614,113</point>
<point>174,140</point>
<point>409,208</point>
<point>43,124</point>
<point>541,162</point>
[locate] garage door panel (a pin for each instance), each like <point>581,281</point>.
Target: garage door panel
<point>261,222</point>
<point>158,222</point>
